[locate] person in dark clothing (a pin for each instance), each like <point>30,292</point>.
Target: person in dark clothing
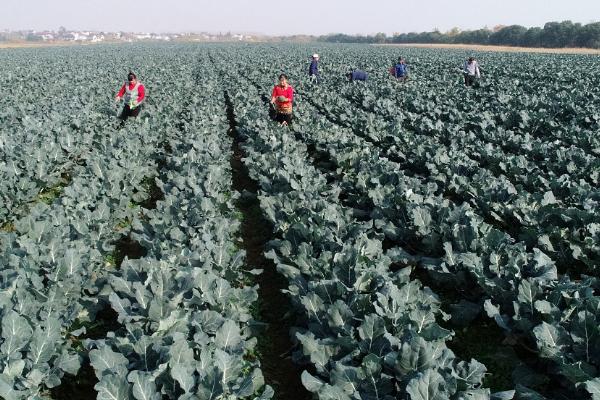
<point>133,93</point>
<point>313,70</point>
<point>400,70</point>
<point>357,75</point>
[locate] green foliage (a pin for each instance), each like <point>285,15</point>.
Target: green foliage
<point>178,214</point>
<point>552,34</point>
<point>451,177</point>
<point>490,192</point>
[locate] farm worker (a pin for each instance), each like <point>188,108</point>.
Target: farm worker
<point>471,71</point>
<point>133,93</point>
<point>282,98</point>
<point>313,70</point>
<point>357,75</point>
<point>400,70</point>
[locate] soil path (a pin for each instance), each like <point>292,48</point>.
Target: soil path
<point>275,344</point>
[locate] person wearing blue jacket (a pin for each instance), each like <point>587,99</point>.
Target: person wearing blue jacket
<point>401,70</point>
<point>357,75</point>
<point>313,70</point>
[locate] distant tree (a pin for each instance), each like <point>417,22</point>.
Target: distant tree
<point>553,34</point>
<point>560,34</point>
<point>533,37</point>
<point>589,36</point>
<point>480,36</point>
<point>453,32</point>
<point>413,37</point>
<point>509,36</point>
<point>32,37</point>
<point>62,32</point>
<point>436,37</point>
<point>380,37</point>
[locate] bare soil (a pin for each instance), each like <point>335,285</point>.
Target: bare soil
<point>275,344</point>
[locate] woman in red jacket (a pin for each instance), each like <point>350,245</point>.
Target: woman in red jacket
<point>133,92</point>
<point>282,98</point>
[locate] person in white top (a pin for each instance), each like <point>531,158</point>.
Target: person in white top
<point>471,71</point>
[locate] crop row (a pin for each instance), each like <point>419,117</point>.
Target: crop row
<point>52,262</point>
<point>185,307</point>
<point>568,233</point>
<point>535,164</point>
<point>367,330</point>
<point>566,228</point>
<point>501,269</point>
<point>473,239</point>
<point>184,327</point>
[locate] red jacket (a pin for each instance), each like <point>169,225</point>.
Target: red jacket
<point>288,93</point>
<point>141,91</point>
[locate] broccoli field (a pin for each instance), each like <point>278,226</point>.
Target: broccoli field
<point>416,241</point>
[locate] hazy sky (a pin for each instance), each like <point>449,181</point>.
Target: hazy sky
<point>268,16</point>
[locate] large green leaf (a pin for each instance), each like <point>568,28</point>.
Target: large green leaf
<point>113,387</point>
<point>429,385</point>
<point>593,388</point>
<point>551,339</point>
<point>16,333</point>
<point>144,387</point>
<point>105,359</point>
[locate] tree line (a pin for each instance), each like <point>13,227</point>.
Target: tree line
<point>552,35</point>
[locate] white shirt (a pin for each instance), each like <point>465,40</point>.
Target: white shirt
<point>472,69</point>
